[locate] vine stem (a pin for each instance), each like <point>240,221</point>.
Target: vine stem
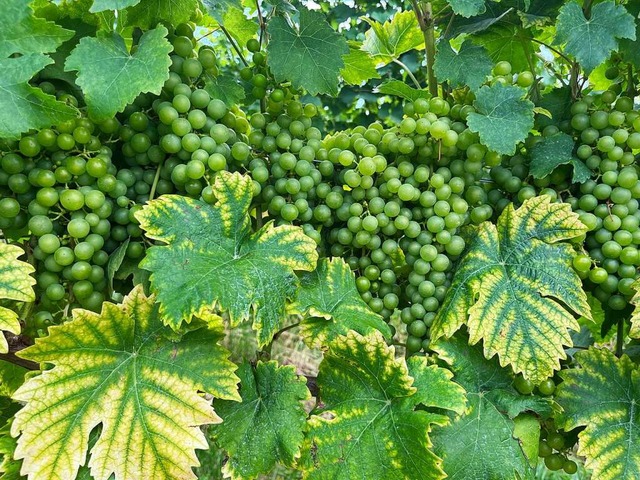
<point>406,69</point>
<point>554,50</point>
<point>427,23</point>
<point>620,336</point>
<point>234,45</point>
<point>267,349</point>
<point>260,21</point>
<point>156,179</point>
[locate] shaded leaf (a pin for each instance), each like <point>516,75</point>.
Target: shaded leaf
<point>309,55</point>
<point>368,426</point>
<point>359,66</point>
<point>23,107</point>
<point>467,8</point>
<point>549,153</point>
<point>387,41</point>
<point>120,369</point>
<point>515,288</point>
<point>635,318</point>
<point>148,13</point>
<point>330,292</point>
<point>400,89</point>
<point>507,42</point>
<point>111,77</point>
<point>22,32</point>
<point>602,395</point>
<point>503,117</point>
<point>469,66</point>
<point>266,427</point>
<point>592,40</point>
<point>218,9</point>
<point>16,283</point>
<point>224,87</point>
<point>212,258</point>
<point>115,261</point>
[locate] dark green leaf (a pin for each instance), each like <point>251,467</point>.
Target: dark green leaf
<point>549,153</point>
<point>469,66</point>
<point>224,87</point>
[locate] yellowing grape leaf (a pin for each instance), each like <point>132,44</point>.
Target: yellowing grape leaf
<point>22,32</point>
<point>387,41</point>
<point>368,425</point>
<point>214,259</point>
<point>266,428</point>
<point>603,394</point>
<point>635,317</point>
<point>515,288</point>
<point>15,284</point>
<point>480,444</point>
<point>309,54</point>
<point>23,107</point>
<point>330,296</point>
<point>121,369</point>
<point>111,77</point>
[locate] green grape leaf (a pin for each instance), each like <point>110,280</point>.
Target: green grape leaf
<point>359,66</point>
<point>592,40</point>
<point>10,467</point>
<point>213,259</point>
<point>549,153</point>
<point>581,173</point>
<point>630,49</point>
<point>218,9</point>
<point>527,431</point>
<point>368,425</point>
<point>330,292</point>
<point>11,377</point>
<point>635,317</point>
<point>309,55</point>
<point>503,117</point>
<point>479,444</point>
<point>467,8</point>
<point>507,42</point>
<point>16,283</point>
<point>387,41</point>
<point>469,66</point>
<point>22,32</point>
<point>224,87</point>
<point>239,26</point>
<point>400,89</point>
<point>267,427</point>
<point>23,107</point>
<point>124,370</point>
<point>111,77</point>
<point>148,13</point>
<point>515,288</point>
<point>115,262</point>
<point>558,102</point>
<point>602,395</point>
<point>102,5</point>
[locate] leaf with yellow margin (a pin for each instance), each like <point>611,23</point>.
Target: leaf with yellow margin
<point>15,284</point>
<point>516,289</point>
<point>603,395</point>
<point>368,425</point>
<point>124,370</point>
<point>212,258</point>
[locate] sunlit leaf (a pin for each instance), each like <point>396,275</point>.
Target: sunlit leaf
<point>387,41</point>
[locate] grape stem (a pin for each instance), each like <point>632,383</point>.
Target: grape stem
<point>234,45</point>
<point>156,179</point>
<point>260,21</point>
<point>424,14</point>
<point>406,69</point>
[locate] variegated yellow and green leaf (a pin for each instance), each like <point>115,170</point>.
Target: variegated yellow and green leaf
<point>213,259</point>
<point>516,290</point>
<point>481,443</point>
<point>267,426</point>
<point>124,370</point>
<point>635,316</point>
<point>368,425</point>
<point>603,395</point>
<point>15,284</point>
<point>329,295</point>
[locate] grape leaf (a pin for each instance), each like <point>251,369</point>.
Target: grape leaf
<point>149,12</point>
<point>581,172</point>
<point>558,102</point>
<point>630,49</point>
<point>480,444</point>
<point>592,40</point>
<point>635,317</point>
<point>549,153</point>
<point>515,288</point>
<point>368,425</point>
<point>212,257</point>
<point>23,107</point>
<point>10,467</point>
<point>330,292</point>
<point>387,41</point>
<point>102,5</point>
<point>120,369</point>
<point>469,66</point>
<point>507,42</point>
<point>602,395</point>
<point>224,87</point>
<point>400,89</point>
<point>239,26</point>
<point>359,66</point>
<point>22,32</point>
<point>16,283</point>
<point>467,8</point>
<point>218,9</point>
<point>503,117</point>
<point>111,77</point>
<point>266,428</point>
<point>310,56</point>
